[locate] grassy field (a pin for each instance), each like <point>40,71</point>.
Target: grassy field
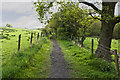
<point>33,62</point>
<point>82,64</point>
<point>9,41</point>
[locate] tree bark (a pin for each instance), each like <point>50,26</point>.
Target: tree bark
<point>103,49</point>
<point>81,41</point>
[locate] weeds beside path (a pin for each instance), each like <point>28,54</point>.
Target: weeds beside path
<point>58,68</point>
<point>33,62</point>
<point>83,65</point>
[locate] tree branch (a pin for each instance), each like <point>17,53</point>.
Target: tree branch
<point>91,5</point>
<point>94,17</point>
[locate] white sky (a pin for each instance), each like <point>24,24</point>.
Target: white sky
<point>19,13</point>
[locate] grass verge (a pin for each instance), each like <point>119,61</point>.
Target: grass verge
<point>83,65</point>
<point>33,62</point>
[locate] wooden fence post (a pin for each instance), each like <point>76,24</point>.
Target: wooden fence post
<point>50,32</point>
<point>116,61</point>
<point>71,37</point>
<point>19,42</point>
<point>41,34</point>
<point>92,47</point>
<point>75,40</point>
<point>31,38</point>
<point>38,36</point>
<point>46,34</point>
<point>78,40</point>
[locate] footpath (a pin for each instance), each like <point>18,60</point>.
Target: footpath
<point>58,68</point>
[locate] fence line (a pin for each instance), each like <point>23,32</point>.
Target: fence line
<point>31,40</point>
<point>104,46</point>
<point>92,47</point>
<point>117,58</point>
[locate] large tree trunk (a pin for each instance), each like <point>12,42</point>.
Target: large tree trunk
<point>103,49</point>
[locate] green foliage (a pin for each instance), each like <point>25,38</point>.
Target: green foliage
<point>95,28</point>
<point>116,31</point>
<point>82,64</point>
<point>42,8</point>
<point>69,21</point>
<point>102,65</point>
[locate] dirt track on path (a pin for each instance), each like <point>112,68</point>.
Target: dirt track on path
<point>58,68</point>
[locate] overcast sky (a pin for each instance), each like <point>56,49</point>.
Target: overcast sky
<point>19,13</point>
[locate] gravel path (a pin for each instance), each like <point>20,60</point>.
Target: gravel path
<point>58,69</point>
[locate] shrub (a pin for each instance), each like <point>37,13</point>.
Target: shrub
<point>102,65</point>
<point>116,32</point>
<point>95,28</point>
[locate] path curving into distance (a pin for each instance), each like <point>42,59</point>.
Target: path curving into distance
<point>58,68</point>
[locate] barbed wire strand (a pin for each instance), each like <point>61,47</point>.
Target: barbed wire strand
<point>104,46</point>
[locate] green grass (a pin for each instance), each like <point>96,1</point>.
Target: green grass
<point>9,41</point>
<point>33,62</point>
<point>82,65</point>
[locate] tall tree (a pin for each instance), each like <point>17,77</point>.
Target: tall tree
<point>108,23</point>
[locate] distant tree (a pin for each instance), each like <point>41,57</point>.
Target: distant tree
<point>69,24</point>
<point>8,25</point>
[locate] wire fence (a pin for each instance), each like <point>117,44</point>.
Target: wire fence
<point>107,50</point>
<point>31,40</point>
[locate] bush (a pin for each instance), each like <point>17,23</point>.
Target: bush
<point>8,25</point>
<point>95,28</point>
<point>102,65</point>
<point>116,32</point>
